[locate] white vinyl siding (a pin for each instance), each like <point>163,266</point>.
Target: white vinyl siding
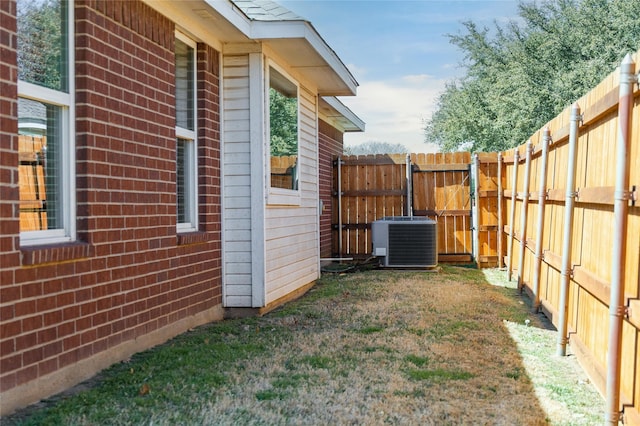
<point>236,157</point>
<point>269,250</point>
<point>292,231</point>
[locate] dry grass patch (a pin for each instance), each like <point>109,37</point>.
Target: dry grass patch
<point>377,347</point>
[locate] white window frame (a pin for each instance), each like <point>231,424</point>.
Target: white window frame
<point>275,195</point>
<point>67,232</point>
<point>190,152</point>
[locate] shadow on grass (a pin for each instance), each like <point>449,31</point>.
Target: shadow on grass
<point>366,347</point>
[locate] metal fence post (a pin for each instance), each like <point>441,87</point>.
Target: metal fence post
<point>617,309</point>
<point>523,215</point>
<point>339,164</point>
<point>512,216</point>
<point>570,195</point>
<point>500,220</point>
<point>542,199</point>
<point>409,173</point>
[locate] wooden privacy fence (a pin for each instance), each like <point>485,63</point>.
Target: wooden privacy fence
<point>572,231</point>
<point>33,196</point>
<point>371,187</point>
<point>283,171</point>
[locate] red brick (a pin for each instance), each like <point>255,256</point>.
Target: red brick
<point>7,346</point>
<point>32,323</point>
<point>46,303</point>
<point>10,329</point>
<point>10,363</point>
<point>68,358</point>
<point>47,335</point>
<point>26,375</point>
<point>47,366</point>
<point>65,299</point>
<point>25,341</point>
<point>32,290</point>
<point>32,356</point>
<point>66,329</point>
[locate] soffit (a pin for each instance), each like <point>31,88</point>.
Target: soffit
<point>221,22</point>
<point>340,116</point>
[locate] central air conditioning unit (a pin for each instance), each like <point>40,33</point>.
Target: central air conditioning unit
<point>405,242</point>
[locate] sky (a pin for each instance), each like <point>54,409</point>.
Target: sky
<point>399,53</point>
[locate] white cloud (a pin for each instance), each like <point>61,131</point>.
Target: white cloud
<point>394,111</point>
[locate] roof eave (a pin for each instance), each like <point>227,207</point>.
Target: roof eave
<point>294,40</point>
<point>336,111</point>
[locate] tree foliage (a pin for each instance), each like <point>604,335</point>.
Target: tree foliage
<point>40,42</point>
<point>521,74</point>
<point>376,148</point>
<point>283,115</point>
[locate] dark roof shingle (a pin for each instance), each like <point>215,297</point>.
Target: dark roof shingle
<point>266,10</point>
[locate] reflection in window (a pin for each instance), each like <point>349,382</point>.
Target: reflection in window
<point>39,170</point>
<point>186,148</point>
<point>42,43</point>
<point>283,125</point>
<point>182,183</point>
<point>184,85</point>
<point>45,122</point>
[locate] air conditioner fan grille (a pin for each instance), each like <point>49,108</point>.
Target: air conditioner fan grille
<point>412,245</point>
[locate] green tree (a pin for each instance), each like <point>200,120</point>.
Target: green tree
<point>373,147</point>
<point>520,75</point>
<point>283,116</point>
<point>40,42</point>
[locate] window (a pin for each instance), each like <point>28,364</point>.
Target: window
<point>283,130</point>
<point>45,122</point>
<point>186,143</point>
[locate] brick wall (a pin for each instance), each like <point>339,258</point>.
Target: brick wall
<point>331,145</point>
<point>9,221</point>
<point>9,224</point>
<point>129,281</point>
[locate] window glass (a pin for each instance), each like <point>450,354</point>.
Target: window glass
<point>186,144</point>
<point>39,127</point>
<point>42,43</point>
<point>181,182</point>
<point>46,168</point>
<point>184,85</point>
<point>283,125</point>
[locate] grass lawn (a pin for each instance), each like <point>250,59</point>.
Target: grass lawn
<point>374,347</point>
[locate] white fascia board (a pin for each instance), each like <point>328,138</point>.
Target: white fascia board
<point>232,14</point>
<point>303,30</point>
<point>343,110</point>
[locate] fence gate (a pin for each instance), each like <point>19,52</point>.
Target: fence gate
<point>367,188</point>
<point>489,216</point>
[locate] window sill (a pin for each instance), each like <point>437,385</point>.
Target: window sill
<point>35,255</point>
<point>196,237</point>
